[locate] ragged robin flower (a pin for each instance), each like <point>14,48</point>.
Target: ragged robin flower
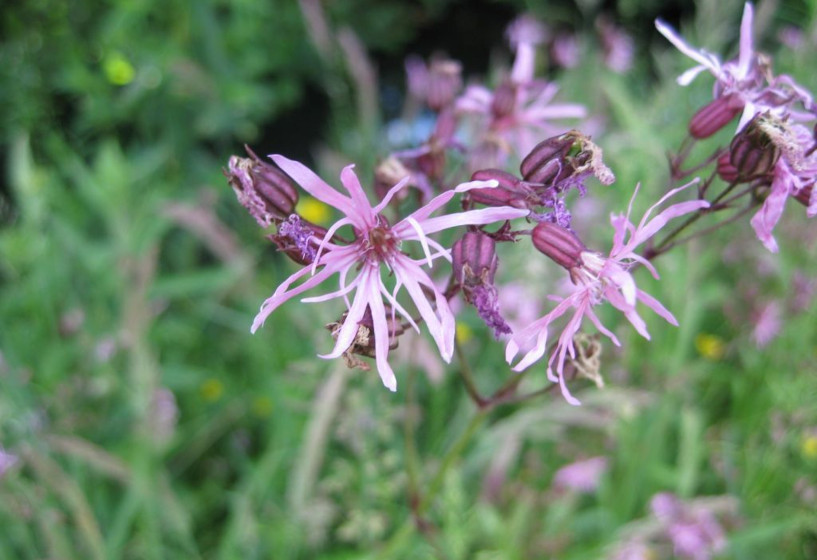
<point>377,247</point>
<point>743,86</point>
<point>596,279</point>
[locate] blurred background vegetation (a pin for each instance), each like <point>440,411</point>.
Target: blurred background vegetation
<point>149,423</point>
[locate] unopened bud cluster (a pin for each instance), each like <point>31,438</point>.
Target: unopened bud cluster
<point>547,173</point>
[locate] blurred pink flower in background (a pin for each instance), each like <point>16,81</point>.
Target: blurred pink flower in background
<point>767,322</point>
<point>582,476</point>
<point>695,533</point>
<point>7,461</point>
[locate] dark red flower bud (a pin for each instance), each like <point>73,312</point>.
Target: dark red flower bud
<point>444,83</point>
<point>504,99</point>
<point>298,239</point>
<point>712,117</point>
<point>752,151</point>
<point>558,243</point>
<point>474,260</point>
<point>475,263</point>
<point>508,193</point>
<point>803,196</point>
<point>726,171</point>
<point>547,159</point>
<point>268,193</point>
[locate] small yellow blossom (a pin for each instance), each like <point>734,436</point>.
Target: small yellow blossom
<point>710,346</point>
<point>809,446</point>
<point>464,333</point>
<point>313,210</point>
<point>262,406</point>
<point>118,69</point>
<point>211,390</point>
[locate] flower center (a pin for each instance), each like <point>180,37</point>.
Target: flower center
<point>381,241</point>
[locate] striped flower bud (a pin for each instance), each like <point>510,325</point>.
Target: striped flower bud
<point>475,263</point>
<point>547,159</point>
<point>714,116</point>
<point>508,193</point>
<point>753,152</point>
<point>264,190</point>
<point>559,244</point>
<point>474,259</point>
<point>726,171</point>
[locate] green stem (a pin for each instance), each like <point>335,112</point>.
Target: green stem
<point>468,377</point>
<point>412,457</point>
<point>405,531</point>
<point>666,243</point>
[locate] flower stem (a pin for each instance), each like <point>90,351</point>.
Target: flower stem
<point>404,532</point>
<point>468,377</point>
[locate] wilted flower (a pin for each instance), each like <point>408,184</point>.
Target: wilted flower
<point>263,189</point>
<point>549,171</point>
<point>475,263</point>
<point>378,244</point>
<point>597,278</point>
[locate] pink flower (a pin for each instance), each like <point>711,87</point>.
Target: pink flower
<point>746,81</point>
<point>377,245</point>
<point>793,175</point>
<point>581,476</point>
<point>695,533</point>
<point>618,46</point>
<point>596,279</point>
<point>518,113</point>
<point>524,34</point>
<point>7,460</point>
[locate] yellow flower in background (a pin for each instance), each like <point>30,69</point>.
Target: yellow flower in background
<point>211,390</point>
<point>464,333</point>
<point>118,69</point>
<point>313,210</point>
<point>262,406</point>
<point>710,346</point>
<point>809,446</point>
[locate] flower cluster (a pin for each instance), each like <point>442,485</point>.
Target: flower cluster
<point>774,147</point>
<point>384,251</point>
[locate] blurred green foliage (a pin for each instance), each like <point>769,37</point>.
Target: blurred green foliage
<point>150,424</point>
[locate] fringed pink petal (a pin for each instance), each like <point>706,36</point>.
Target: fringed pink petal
<point>381,342</point>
